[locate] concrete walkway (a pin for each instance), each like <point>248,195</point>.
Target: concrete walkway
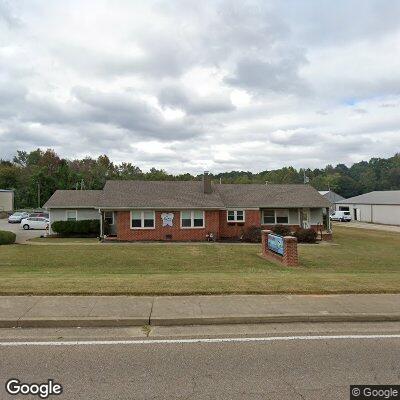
<point>367,225</point>
<point>101,311</point>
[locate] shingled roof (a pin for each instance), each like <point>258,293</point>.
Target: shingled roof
<point>74,198</point>
<point>158,194</point>
<point>271,195</point>
<point>187,195</point>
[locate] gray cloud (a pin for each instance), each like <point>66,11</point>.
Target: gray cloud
<point>261,83</point>
<point>179,97</point>
<point>134,115</point>
<point>325,23</point>
<point>259,76</point>
<point>7,15</point>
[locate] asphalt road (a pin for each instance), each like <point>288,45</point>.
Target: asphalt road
<point>22,235</point>
<point>271,364</point>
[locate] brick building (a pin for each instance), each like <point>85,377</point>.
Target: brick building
<point>189,210</point>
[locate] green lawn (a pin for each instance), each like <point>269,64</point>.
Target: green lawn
<point>358,261</point>
<point>57,240</point>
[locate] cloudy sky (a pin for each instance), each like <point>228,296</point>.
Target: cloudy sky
<point>194,85</point>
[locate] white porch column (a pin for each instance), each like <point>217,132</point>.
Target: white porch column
<point>328,220</point>
<point>101,224</point>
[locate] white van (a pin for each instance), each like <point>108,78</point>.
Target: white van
<point>342,216</point>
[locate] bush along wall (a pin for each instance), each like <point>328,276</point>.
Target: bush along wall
<point>305,235</point>
<point>85,227</point>
<point>282,230</point>
<point>252,234</point>
<point>7,237</point>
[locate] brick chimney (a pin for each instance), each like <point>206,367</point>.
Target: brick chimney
<point>207,183</point>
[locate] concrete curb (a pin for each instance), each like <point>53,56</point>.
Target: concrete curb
<point>250,319</point>
<point>275,319</point>
<point>73,322</point>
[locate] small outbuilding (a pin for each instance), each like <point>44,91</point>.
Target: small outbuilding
<point>6,200</point>
<point>379,207</point>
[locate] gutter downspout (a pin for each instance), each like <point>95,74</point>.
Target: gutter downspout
<point>101,225</point>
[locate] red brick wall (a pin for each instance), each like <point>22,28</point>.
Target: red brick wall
<point>235,230</point>
<point>252,218</point>
<point>124,232</point>
<point>215,222</point>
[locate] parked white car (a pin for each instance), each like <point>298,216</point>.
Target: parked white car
<point>35,223</point>
<point>342,216</point>
<point>17,217</point>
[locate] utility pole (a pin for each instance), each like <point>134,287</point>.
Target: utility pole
<point>38,194</point>
<point>306,178</point>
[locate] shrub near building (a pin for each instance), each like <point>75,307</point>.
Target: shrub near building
<point>305,235</point>
<point>252,234</point>
<point>7,237</point>
<point>87,227</point>
<point>282,230</point>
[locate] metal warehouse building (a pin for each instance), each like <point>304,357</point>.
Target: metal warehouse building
<point>380,207</point>
<point>6,200</point>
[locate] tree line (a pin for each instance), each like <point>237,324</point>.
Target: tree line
<point>37,174</point>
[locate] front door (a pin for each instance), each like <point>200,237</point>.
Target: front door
<point>109,218</point>
<point>305,218</point>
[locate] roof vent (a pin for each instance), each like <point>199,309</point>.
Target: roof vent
<point>207,183</point>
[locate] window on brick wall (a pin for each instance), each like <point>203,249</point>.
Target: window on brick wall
<point>109,217</point>
<point>272,217</point>
<point>192,219</point>
<point>142,219</point>
<point>235,215</point>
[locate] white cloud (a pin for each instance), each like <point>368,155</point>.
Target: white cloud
<point>187,86</point>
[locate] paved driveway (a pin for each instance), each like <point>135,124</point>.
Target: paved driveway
<point>22,235</point>
<point>367,225</point>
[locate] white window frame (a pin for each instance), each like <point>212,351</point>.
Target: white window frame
<point>142,220</point>
<point>235,216</point>
<point>112,213</point>
<point>76,215</point>
<point>275,210</point>
<point>192,219</point>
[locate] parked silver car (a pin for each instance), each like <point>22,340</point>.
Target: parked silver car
<point>17,217</point>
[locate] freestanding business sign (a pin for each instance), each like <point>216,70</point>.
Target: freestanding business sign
<point>276,244</point>
<point>279,248</point>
